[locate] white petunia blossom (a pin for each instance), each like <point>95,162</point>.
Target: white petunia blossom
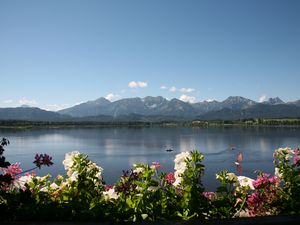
<point>110,194</point>
<point>21,181</point>
<point>246,182</point>
<point>139,170</point>
<point>178,181</point>
<point>69,159</point>
<point>180,166</point>
<point>73,177</point>
<point>232,177</point>
<point>277,173</point>
<point>54,186</point>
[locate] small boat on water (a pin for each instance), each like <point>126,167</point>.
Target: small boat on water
<point>169,150</point>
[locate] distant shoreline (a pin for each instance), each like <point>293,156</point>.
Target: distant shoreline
<point>188,123</point>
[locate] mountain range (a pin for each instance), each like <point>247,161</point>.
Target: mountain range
<point>159,108</point>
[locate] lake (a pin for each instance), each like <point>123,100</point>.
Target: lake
<point>116,149</point>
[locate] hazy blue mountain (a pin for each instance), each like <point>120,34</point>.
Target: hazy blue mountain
<point>140,106</point>
<point>31,114</point>
<point>258,110</point>
<point>158,109</point>
<point>207,106</point>
<point>274,101</point>
<point>296,103</point>
<point>90,108</point>
<point>159,106</point>
<point>237,103</point>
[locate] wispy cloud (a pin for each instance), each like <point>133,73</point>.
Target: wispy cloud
<point>173,89</point>
<point>183,90</point>
<point>137,84</point>
<point>8,101</point>
<point>262,98</point>
<point>186,98</point>
<point>163,87</point>
<point>186,90</point>
<point>112,97</point>
<point>210,100</point>
<point>30,102</point>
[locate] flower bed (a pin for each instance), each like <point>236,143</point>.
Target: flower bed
<point>145,194</point>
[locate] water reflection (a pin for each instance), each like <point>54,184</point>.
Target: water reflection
<point>116,149</point>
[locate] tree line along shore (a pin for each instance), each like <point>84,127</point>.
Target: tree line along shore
<point>188,123</point>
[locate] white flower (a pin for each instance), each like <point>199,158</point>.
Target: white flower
<point>44,189</point>
<point>54,186</point>
<point>179,173</point>
<point>110,194</point>
<point>245,182</point>
<point>73,177</point>
<point>69,159</point>
<point>139,170</point>
<point>181,158</point>
<point>94,166</point>
<point>152,188</point>
<point>231,177</point>
<point>178,181</point>
<point>21,181</point>
<point>277,173</point>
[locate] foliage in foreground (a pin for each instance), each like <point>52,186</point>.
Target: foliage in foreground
<point>145,194</point>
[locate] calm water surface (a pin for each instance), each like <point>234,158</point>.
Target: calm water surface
<point>116,149</point>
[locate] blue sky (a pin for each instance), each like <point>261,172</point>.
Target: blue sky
<point>54,54</point>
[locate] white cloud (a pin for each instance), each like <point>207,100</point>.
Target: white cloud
<point>186,90</point>
<point>186,98</point>
<point>25,101</point>
<point>163,87</point>
<point>210,100</point>
<point>262,98</point>
<point>8,101</point>
<point>173,89</point>
<point>112,97</point>
<point>137,84</point>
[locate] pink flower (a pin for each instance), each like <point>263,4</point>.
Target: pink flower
<point>209,195</point>
<point>296,159</point>
<point>261,180</point>
<point>296,152</point>
<point>170,178</point>
<point>155,165</point>
<point>13,170</point>
<point>274,180</point>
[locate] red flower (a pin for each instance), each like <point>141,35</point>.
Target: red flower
<point>170,178</point>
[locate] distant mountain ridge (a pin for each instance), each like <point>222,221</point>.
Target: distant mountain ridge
<point>157,109</point>
<point>150,106</point>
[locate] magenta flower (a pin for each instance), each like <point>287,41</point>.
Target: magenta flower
<point>274,180</point>
<point>155,165</point>
<point>261,180</point>
<point>170,178</point>
<point>296,159</point>
<point>42,159</point>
